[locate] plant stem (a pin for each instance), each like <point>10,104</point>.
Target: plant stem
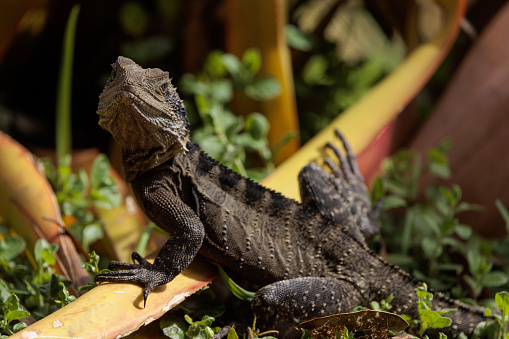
<point>63,109</point>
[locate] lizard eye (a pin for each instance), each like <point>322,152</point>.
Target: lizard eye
<point>112,75</point>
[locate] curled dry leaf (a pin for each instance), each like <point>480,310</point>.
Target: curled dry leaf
<point>29,207</point>
<point>374,324</point>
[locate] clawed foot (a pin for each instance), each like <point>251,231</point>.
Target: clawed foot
<point>349,170</point>
<point>144,273</point>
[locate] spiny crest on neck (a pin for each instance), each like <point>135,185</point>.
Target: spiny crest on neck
<point>142,110</point>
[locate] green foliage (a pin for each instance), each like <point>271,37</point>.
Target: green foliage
<point>201,328</point>
<point>486,329</point>
<point>422,232</point>
<point>10,246</point>
<point>44,254</point>
<point>92,266</point>
<point>305,334</point>
<point>224,136</point>
<point>232,334</point>
<point>346,334</point>
<point>145,237</point>
<point>39,290</point>
<point>428,318</point>
<point>12,310</point>
<point>326,84</point>
<point>502,300</point>
<point>383,305</point>
<point>202,305</point>
<point>297,39</point>
<point>76,194</point>
<point>175,328</point>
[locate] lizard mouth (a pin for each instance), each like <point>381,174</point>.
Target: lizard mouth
<point>148,105</point>
<point>109,97</point>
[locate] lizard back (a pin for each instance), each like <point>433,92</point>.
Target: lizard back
<point>255,231</point>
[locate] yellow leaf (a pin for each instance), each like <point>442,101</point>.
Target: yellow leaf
<point>261,24</point>
<point>116,310</point>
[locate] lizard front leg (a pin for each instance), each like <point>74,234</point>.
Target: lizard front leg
<point>278,304</point>
<point>171,214</point>
<point>341,195</point>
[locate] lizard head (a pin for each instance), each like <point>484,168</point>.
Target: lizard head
<point>142,110</point>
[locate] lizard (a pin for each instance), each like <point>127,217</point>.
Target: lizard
<point>310,258</point>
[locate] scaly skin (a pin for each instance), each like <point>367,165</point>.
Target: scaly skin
<point>311,258</point>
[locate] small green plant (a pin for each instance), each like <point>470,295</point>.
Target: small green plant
<point>177,329</point>
<point>346,334</point>
<point>502,300</point>
<point>422,231</point>
<point>224,136</point>
<point>39,290</point>
<point>92,266</point>
<point>232,334</point>
<point>76,194</point>
<point>383,305</point>
<point>201,328</point>
<point>11,311</point>
<point>428,318</point>
<point>305,334</point>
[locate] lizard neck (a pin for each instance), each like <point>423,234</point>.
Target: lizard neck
<point>138,162</point>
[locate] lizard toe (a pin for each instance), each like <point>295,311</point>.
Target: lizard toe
<point>147,275</point>
<point>115,276</point>
<point>136,257</point>
<point>115,265</point>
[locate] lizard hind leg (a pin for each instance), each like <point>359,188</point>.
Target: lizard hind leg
<point>278,304</point>
<point>341,195</point>
<point>332,198</point>
<point>365,215</point>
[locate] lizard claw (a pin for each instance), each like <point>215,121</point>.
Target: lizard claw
<point>144,274</point>
<point>348,172</point>
<point>348,164</point>
<point>136,257</point>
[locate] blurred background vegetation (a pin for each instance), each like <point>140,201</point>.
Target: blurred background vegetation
<point>339,49</point>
